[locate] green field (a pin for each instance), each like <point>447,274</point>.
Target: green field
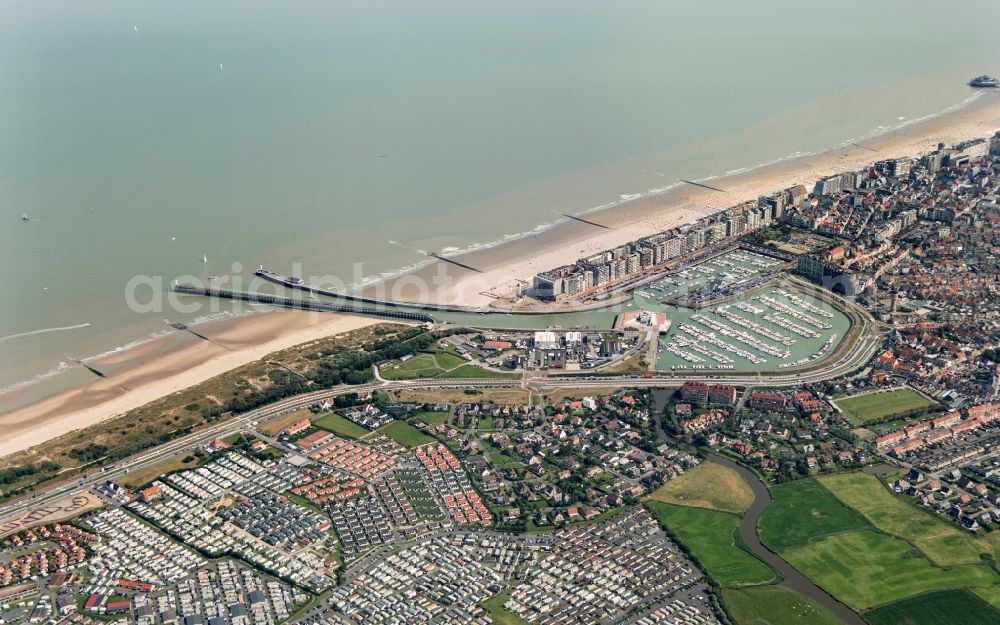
<point>472,371</point>
<point>135,479</point>
<point>863,409</point>
<point>436,365</point>
<point>867,568</point>
<point>990,595</point>
<point>708,485</point>
<point>499,459</point>
<point>420,366</point>
<point>713,539</point>
<point>405,434</point>
<point>948,606</point>
<point>803,511</point>
<point>340,426</point>
<point>775,605</point>
<point>272,453</point>
<point>943,543</point>
<point>447,360</point>
<point>432,418</point>
<point>499,614</point>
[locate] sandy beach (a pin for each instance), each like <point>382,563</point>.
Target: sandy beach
<point>155,369</point>
<point>503,267</point>
<point>158,368</point>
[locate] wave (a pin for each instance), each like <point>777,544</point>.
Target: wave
<point>387,275</point>
<point>904,121</point>
<point>51,373</point>
<point>159,334</point>
<point>220,316</point>
<point>131,345</point>
<point>629,197</point>
<point>42,331</point>
<point>662,190</point>
<point>899,123</point>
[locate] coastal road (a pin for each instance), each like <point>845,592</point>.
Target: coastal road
<point>859,353</point>
<point>178,446</point>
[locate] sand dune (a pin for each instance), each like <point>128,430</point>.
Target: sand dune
<point>161,367</point>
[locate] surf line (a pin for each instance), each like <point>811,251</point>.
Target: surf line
<point>43,331</point>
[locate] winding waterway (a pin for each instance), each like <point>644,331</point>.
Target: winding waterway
<point>793,580</point>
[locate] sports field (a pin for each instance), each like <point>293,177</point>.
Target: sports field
<point>862,409</point>
<point>803,511</point>
<point>708,485</point>
<point>936,608</point>
<point>405,434</point>
<point>423,365</point>
<point>713,539</point>
<point>340,426</point>
<point>436,365</point>
<point>867,568</point>
<point>943,543</point>
<point>775,605</point>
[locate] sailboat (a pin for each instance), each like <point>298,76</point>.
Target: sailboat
<point>204,258</point>
<point>24,217</point>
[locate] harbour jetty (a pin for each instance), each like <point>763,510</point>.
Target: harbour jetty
<point>299,284</point>
<point>299,304</point>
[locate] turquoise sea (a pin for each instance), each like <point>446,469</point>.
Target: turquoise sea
<point>143,137</point>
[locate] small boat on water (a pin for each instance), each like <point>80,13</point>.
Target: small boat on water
<point>984,82</point>
<point>24,217</point>
<point>204,258</point>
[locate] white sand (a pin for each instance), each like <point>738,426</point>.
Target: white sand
<point>150,373</point>
<point>506,264</point>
